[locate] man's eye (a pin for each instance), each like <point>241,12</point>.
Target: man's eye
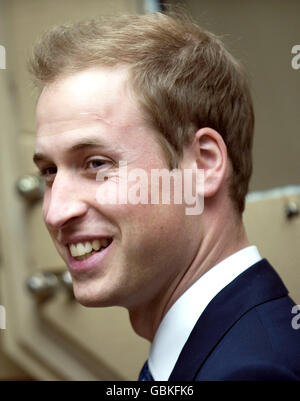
<point>48,172</point>
<point>97,163</point>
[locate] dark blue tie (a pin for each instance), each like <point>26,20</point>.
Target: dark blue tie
<point>145,375</point>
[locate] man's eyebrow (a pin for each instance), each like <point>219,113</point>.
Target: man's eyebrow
<point>89,143</point>
<point>39,157</point>
<point>84,144</point>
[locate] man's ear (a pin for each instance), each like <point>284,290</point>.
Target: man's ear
<point>210,154</point>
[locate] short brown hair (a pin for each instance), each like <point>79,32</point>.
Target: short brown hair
<point>182,75</point>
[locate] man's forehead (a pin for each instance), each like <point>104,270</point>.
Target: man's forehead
<point>88,132</point>
<point>82,123</point>
<point>95,94</point>
<point>71,142</point>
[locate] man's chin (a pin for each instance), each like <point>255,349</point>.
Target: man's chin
<point>91,300</point>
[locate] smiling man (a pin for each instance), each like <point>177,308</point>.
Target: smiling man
<point>160,93</point>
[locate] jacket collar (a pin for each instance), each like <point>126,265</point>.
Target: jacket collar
<point>258,284</point>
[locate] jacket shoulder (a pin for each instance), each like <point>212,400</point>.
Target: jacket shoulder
<point>261,345</point>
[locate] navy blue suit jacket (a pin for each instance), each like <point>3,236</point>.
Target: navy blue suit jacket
<point>245,333</point>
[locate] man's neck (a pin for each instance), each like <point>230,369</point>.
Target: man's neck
<point>215,247</point>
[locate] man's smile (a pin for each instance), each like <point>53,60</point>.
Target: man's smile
<point>87,255</point>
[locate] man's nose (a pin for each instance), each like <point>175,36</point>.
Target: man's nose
<point>65,202</point>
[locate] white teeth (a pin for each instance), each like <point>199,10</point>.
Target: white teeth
<point>96,244</point>
<point>73,250</point>
<point>81,249</point>
<point>88,247</point>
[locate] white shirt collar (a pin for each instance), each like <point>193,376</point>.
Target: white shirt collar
<point>173,331</point>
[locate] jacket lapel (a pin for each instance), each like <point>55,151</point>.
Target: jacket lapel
<point>258,284</point>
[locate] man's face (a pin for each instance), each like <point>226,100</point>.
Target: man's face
<point>87,123</point>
